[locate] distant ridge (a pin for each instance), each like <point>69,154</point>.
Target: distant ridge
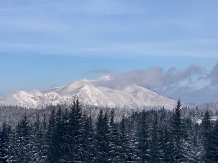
<point>90,93</point>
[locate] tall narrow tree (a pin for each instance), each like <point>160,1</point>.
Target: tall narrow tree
<point>143,139</point>
<point>178,127</point>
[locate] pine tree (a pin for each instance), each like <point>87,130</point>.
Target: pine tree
<point>114,144</point>
<point>155,142</point>
<point>88,141</point>
<point>64,146</point>
<point>80,123</point>
<point>206,125</point>
<point>4,143</point>
<point>178,131</point>
<point>73,139</point>
<point>34,133</point>
<point>206,128</point>
<point>143,139</point>
<point>211,155</point>
<point>44,143</point>
<point>168,147</point>
<point>20,143</point>
<point>190,149</point>
<point>102,139</point>
<point>124,152</point>
<point>52,151</point>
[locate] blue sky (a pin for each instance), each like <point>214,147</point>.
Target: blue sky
<point>49,43</point>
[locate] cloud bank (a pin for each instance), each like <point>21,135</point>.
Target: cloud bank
<point>193,85</point>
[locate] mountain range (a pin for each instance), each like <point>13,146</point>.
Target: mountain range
<point>89,92</point>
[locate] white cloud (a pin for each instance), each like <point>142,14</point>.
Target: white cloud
<point>213,76</point>
<point>172,83</point>
<point>156,77</point>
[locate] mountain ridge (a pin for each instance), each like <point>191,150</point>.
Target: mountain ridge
<point>89,93</point>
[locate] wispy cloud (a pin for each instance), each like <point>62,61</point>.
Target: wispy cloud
<point>108,28</point>
<point>157,78</point>
<point>199,48</point>
<point>100,71</point>
<point>27,23</point>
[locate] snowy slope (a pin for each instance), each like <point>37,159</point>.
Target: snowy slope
<point>213,106</point>
<point>130,96</point>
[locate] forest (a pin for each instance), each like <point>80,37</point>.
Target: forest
<point>73,135</point>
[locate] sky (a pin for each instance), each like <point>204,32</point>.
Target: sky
<point>168,46</point>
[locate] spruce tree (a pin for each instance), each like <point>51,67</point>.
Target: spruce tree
<point>50,137</point>
<point>88,141</point>
<point>206,128</point>
<point>206,125</point>
<point>168,147</point>
<point>102,139</point>
<point>4,143</point>
<point>73,148</point>
<point>143,139</point>
<point>155,142</point>
<point>20,143</point>
<point>114,142</point>
<point>124,152</point>
<point>178,132</point>
<point>211,145</point>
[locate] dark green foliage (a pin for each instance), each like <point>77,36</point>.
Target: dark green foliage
<point>124,152</point>
<point>20,143</point>
<point>102,139</point>
<point>4,142</point>
<point>155,141</point>
<point>71,135</point>
<point>168,147</point>
<point>143,139</point>
<point>211,145</point>
<point>178,133</point>
<point>88,141</point>
<point>206,124</point>
<point>51,139</point>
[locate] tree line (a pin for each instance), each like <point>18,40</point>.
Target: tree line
<point>73,136</point>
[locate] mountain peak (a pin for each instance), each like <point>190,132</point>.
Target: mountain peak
<point>129,96</point>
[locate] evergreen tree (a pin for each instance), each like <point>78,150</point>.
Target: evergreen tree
<point>73,148</point>
<point>114,144</point>
<point>102,139</point>
<point>155,142</point>
<point>124,152</point>
<point>43,141</point>
<point>4,143</point>
<point>211,145</point>
<point>20,143</point>
<point>50,138</point>
<point>88,141</point>
<point>178,131</point>
<point>36,135</point>
<point>168,147</point>
<point>206,128</point>
<point>206,125</point>
<point>143,139</point>
<point>190,149</point>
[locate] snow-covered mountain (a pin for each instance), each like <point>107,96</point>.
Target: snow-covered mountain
<point>213,106</point>
<point>90,93</point>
